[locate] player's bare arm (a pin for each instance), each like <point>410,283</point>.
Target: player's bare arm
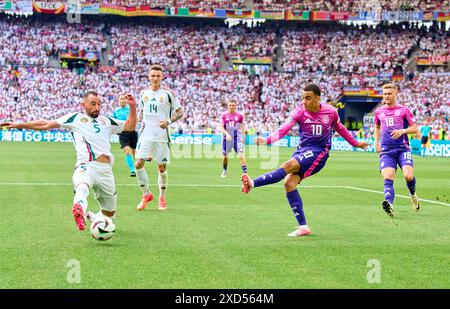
<point>227,135</point>
<point>130,124</point>
<point>243,131</point>
<point>38,125</point>
<point>342,130</point>
<point>363,145</point>
<point>260,140</point>
<point>278,134</point>
<point>398,133</point>
<point>176,116</point>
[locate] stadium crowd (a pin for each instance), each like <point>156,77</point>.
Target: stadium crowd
<point>348,50</point>
<point>435,44</point>
<point>243,42</point>
<point>309,5</point>
<point>352,5</point>
<point>31,43</point>
<point>176,48</point>
<point>204,4</point>
<point>30,89</point>
<point>266,99</point>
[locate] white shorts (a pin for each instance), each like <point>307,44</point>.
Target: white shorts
<point>99,177</point>
<point>158,151</point>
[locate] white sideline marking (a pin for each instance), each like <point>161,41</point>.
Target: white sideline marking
<point>399,195</point>
<point>218,186</point>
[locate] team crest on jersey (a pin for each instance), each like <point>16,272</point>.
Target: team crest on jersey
<point>84,120</point>
<point>102,121</point>
<point>161,99</point>
<point>397,113</point>
<point>145,99</point>
<point>325,119</point>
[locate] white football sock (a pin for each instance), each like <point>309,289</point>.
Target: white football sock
<point>162,182</point>
<point>142,180</point>
<point>81,195</point>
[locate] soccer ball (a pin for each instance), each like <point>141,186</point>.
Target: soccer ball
<point>102,228</point>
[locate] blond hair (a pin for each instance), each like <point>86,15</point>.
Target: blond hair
<point>390,86</point>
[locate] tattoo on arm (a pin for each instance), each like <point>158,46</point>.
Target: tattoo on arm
<point>178,114</point>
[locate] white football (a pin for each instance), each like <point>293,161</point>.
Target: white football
<point>102,228</point>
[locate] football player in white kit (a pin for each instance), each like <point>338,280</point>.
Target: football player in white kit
<point>158,109</point>
<point>91,138</point>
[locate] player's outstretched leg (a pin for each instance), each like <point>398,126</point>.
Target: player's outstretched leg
<point>247,183</point>
<point>147,196</point>
<point>263,180</point>
<point>80,205</point>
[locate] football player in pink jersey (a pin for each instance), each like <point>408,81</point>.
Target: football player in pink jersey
<point>316,122</point>
<point>233,130</point>
<point>393,123</point>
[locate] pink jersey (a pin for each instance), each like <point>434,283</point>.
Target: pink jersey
<point>315,129</point>
<point>392,118</point>
<point>232,122</point>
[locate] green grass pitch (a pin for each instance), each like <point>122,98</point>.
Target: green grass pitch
<point>213,236</point>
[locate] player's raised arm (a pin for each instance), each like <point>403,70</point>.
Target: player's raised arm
<point>140,114</point>
<point>280,133</point>
<point>339,127</point>
<point>130,124</point>
<point>38,125</point>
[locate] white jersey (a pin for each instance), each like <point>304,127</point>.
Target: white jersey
<point>156,106</point>
<point>91,137</point>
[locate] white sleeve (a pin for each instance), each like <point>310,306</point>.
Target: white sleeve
<point>117,125</point>
<point>67,121</point>
<point>175,104</point>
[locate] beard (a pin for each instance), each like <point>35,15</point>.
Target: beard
<point>93,114</point>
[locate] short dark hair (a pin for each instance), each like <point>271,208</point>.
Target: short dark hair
<point>156,67</point>
<point>89,92</point>
<point>314,88</point>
